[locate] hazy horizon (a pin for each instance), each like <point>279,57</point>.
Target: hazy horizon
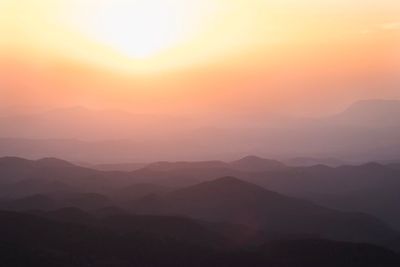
<point>200,133</point>
<point>304,58</point>
<point>365,131</point>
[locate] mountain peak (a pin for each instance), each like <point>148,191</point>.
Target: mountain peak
<point>251,157</point>
<point>168,166</point>
<point>223,187</point>
<point>54,162</point>
<point>255,163</point>
<point>374,112</point>
<point>375,103</point>
<point>9,160</point>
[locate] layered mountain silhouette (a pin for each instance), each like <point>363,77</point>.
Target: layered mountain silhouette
<point>52,201</point>
<point>256,164</point>
<point>371,188</point>
<point>181,214</point>
<point>371,113</point>
<point>116,166</point>
<point>365,131</point>
<point>309,161</point>
<point>32,240</point>
<point>229,199</point>
<point>21,177</point>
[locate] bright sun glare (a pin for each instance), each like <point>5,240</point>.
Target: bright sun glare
<point>141,28</point>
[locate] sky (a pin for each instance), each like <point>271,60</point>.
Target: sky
<point>301,57</point>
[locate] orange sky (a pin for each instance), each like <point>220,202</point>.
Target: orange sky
<point>305,57</point>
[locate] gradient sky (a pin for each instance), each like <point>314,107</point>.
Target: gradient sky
<point>304,57</point>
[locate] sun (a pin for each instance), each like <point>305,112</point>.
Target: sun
<point>140,28</point>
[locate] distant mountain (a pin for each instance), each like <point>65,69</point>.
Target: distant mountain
<point>309,161</point>
<point>365,131</point>
<point>371,113</point>
<point>231,200</point>
<point>175,174</point>
<point>137,191</point>
<point>256,164</point>
<point>21,177</point>
<point>190,172</point>
<point>329,180</point>
<point>54,201</point>
<point>371,188</point>
<point>182,165</point>
<point>14,169</point>
<point>117,166</point>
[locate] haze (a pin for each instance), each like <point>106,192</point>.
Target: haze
<point>203,57</point>
<point>224,78</point>
<point>218,133</point>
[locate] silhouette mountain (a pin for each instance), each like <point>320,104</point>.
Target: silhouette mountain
<point>29,241</point>
<point>139,190</point>
<point>116,166</point>
<point>169,166</point>
<point>310,161</point>
<point>175,174</point>
<point>34,202</point>
<point>21,177</point>
<point>372,113</point>
<point>16,169</point>
<point>77,216</point>
<point>371,188</point>
<point>394,165</point>
<point>229,199</point>
<point>255,164</point>
<point>85,201</point>
<point>367,130</point>
<point>69,215</point>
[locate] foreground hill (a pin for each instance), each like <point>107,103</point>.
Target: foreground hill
<point>32,241</point>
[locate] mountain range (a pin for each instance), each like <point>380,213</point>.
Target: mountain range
<point>367,130</point>
<point>248,212</point>
<point>33,240</point>
<point>229,199</point>
<point>190,189</point>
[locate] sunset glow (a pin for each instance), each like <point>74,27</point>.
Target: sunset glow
<point>139,29</point>
<point>230,133</point>
<point>172,55</point>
